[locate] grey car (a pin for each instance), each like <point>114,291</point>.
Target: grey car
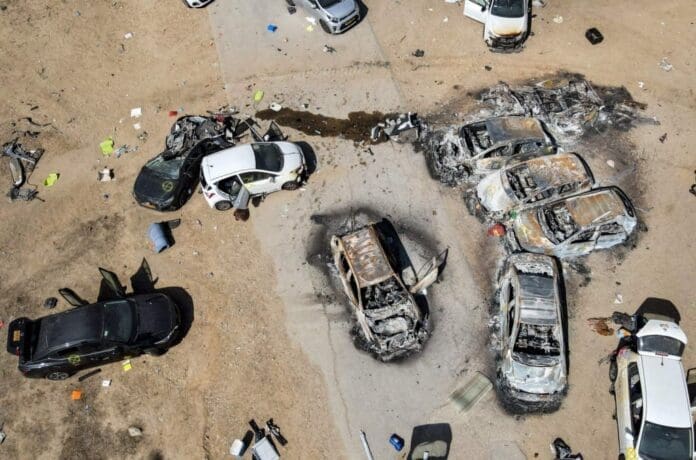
<point>334,16</point>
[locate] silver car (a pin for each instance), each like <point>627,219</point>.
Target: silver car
<point>334,16</point>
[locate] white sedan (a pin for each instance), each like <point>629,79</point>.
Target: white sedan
<point>231,177</point>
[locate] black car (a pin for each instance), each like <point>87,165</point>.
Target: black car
<point>59,345</point>
<point>167,181</point>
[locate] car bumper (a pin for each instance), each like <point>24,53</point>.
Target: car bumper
<point>506,44</point>
<point>345,24</point>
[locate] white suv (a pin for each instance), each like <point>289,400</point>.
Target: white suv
<point>653,411</point>
<point>259,168</point>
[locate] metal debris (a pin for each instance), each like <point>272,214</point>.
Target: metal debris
<point>22,163</point>
<point>392,128</point>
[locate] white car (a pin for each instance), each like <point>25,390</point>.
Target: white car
<point>258,169</point>
<point>505,22</point>
<point>653,412</point>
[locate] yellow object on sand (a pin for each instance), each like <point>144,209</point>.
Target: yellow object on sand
<point>258,95</point>
<point>127,366</point>
<point>107,146</point>
<point>309,28</point>
<point>51,179</point>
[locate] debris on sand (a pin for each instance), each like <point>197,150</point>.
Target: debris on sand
<point>467,396</point>
<point>391,128</point>
<point>22,163</point>
<point>135,432</point>
<point>562,451</point>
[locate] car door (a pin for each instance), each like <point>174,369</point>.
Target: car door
<point>427,275</point>
<point>259,182</point>
<point>623,414</point>
<point>610,235</point>
<point>582,242</point>
<point>476,10</point>
<point>492,159</point>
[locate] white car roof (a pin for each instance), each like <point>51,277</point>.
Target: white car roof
<point>228,161</point>
<point>665,328</point>
<point>666,396</point>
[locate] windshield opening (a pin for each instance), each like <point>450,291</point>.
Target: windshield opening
<point>508,8</point>
<point>661,345</point>
<point>665,443</point>
<point>268,157</point>
<point>118,321</point>
<point>559,224</point>
<point>537,340</point>
<point>167,168</point>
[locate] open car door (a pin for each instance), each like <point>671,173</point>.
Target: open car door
<point>476,10</point>
<point>113,282</point>
<point>427,275</point>
<point>72,298</point>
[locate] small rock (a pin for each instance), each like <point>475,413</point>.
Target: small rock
<point>135,432</point>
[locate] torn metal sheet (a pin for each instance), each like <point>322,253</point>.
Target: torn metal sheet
<point>21,163</point>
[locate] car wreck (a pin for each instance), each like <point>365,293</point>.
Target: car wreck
<point>574,226</point>
<point>484,146</point>
<point>531,365</point>
<point>390,322</point>
<point>532,183</point>
<point>505,22</point>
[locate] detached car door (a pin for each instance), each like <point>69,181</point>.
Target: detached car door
<point>476,10</point>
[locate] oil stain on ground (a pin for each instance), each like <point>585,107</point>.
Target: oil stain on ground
<point>356,127</point>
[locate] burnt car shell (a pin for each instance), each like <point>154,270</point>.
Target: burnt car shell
<point>110,330</point>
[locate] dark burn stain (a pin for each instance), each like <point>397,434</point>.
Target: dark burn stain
<point>600,325</point>
<point>356,127</point>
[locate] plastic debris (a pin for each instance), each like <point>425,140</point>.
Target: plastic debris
<point>563,451</point>
<point>558,19</point>
<point>76,395</point>
<point>126,365</point>
<point>275,107</point>
<point>106,383</point>
<point>665,65</point>
<point>105,175</point>
<point>618,299</point>
<point>2,436</point>
<point>136,112</point>
<point>107,146</point>
<point>329,49</point>
<point>258,95</point>
<point>89,374</point>
<point>366,446</point>
<point>396,441</point>
<point>309,28</point>
<point>50,303</point>
<point>237,448</point>
<point>610,163</point>
<point>271,27</point>
<point>135,432</point>
<point>641,85</point>
<point>136,126</point>
<point>496,230</point>
<point>51,179</point>
<point>594,36</point>
<point>128,35</point>
<point>418,53</point>
<point>173,113</point>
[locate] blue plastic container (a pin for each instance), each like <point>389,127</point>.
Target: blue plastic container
<point>271,27</point>
<point>397,442</point>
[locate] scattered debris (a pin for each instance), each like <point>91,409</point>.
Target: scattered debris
<point>22,163</point>
<point>238,447</point>
<point>366,446</point>
<point>142,137</point>
<point>173,113</point>
<point>275,431</point>
<point>105,175</point>
<point>474,389</point>
<point>665,65</point>
<point>160,234</point>
<point>663,138</point>
<point>127,366</point>
<point>641,85</point>
<point>50,303</point>
<point>329,49</point>
<point>600,326</point>
<point>136,126</point>
<point>418,53</point>
<point>263,448</point>
<point>562,451</point>
<point>128,35</point>
<point>311,20</point>
<point>692,189</point>
<point>136,112</point>
<point>271,27</point>
<point>107,146</point>
<point>126,149</point>
<point>488,68</point>
<point>88,375</point>
<point>76,395</point>
<point>611,163</point>
<point>275,107</point>
<point>618,299</point>
<point>396,441</point>
<point>135,432</point>
<point>496,230</point>
<point>258,95</point>
<point>51,179</point>
<point>558,19</point>
<point>392,128</point>
<point>106,383</point>
<point>3,436</point>
<point>309,28</point>
<point>292,9</point>
<point>594,36</point>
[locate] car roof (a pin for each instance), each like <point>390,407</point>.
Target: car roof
<point>552,170</point>
<point>228,161</point>
<point>666,396</point>
<point>80,324</point>
<point>505,129</point>
<point>595,207</point>
<point>537,298</point>
<point>366,256</point>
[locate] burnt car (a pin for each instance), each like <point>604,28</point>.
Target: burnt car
<point>59,345</point>
<point>168,180</point>
<point>574,226</point>
<point>531,366</point>
<point>485,146</point>
<point>533,182</point>
<point>390,322</point>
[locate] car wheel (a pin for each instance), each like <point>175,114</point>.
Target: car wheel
<point>57,376</point>
<point>154,351</point>
<point>613,370</point>
<point>290,186</point>
<point>325,26</point>
<point>223,205</point>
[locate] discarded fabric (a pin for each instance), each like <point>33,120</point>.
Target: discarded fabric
<point>258,95</point>
<point>51,179</point>
<point>107,146</point>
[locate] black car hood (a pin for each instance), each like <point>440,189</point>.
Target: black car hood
<point>151,188</point>
<point>157,317</point>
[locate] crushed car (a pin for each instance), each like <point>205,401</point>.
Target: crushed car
<point>390,322</point>
<point>168,180</point>
<point>531,365</point>
<point>653,404</point>
<point>334,16</point>
<point>231,177</point>
<point>574,226</point>
<point>531,183</point>
<point>482,147</point>
<point>59,345</point>
<point>505,22</point>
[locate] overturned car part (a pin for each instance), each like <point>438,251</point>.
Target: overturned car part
<point>21,163</point>
<point>390,323</point>
<point>392,128</point>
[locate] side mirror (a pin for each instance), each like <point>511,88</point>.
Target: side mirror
<point>483,8</point>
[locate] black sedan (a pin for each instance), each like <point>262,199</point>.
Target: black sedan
<point>59,345</point>
<point>167,181</point>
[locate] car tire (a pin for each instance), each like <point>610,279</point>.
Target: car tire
<point>325,26</point>
<point>223,205</point>
<point>613,370</point>
<point>57,376</point>
<point>154,351</point>
<point>290,186</point>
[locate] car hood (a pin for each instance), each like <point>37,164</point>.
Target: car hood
<point>528,232</point>
<point>534,379</point>
<point>158,316</point>
<point>152,188</point>
<point>492,195</point>
<point>341,9</point>
<point>507,27</point>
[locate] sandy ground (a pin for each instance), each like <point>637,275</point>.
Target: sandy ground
<point>270,336</point>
